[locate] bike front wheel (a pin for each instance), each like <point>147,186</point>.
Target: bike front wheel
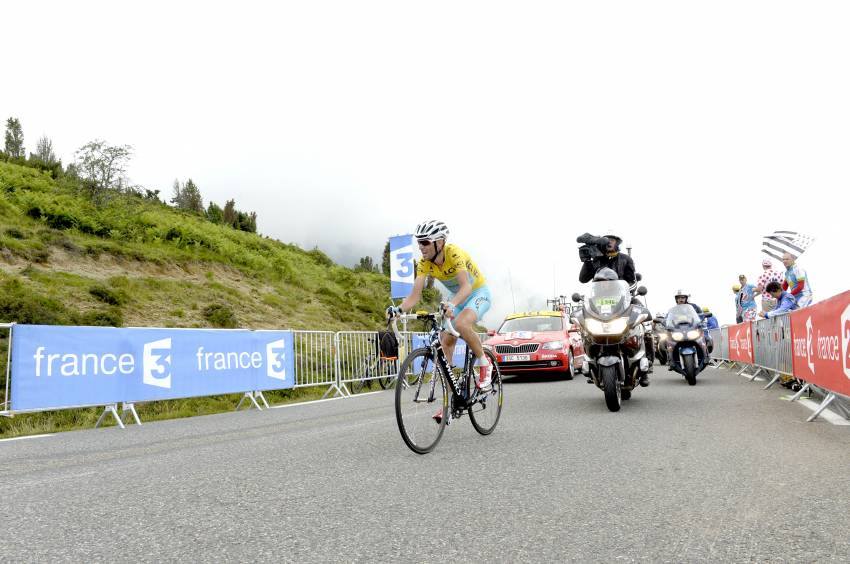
<point>485,412</point>
<point>421,401</point>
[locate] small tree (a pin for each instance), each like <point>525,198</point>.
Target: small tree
<point>44,151</point>
<point>14,139</point>
<point>230,213</point>
<point>385,260</point>
<point>103,165</point>
<point>192,200</point>
<point>246,221</point>
<point>215,213</point>
<point>366,264</point>
<point>177,194</point>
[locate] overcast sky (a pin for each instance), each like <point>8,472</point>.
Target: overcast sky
<point>691,129</point>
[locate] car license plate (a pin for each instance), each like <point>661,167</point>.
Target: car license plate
<point>517,357</point>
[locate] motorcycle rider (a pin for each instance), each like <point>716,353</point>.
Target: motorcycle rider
<point>604,252</point>
<point>659,329</point>
<point>682,298</point>
<point>597,253</point>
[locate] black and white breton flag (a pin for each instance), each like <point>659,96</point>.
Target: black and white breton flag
<point>785,242</point>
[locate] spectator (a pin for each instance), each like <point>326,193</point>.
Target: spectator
<point>748,299</point>
<point>710,322</point>
<point>796,282</point>
<point>768,275</point>
<point>785,301</point>
<point>739,313</point>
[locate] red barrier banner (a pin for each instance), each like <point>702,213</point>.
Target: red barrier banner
<point>821,339</point>
<point>741,342</point>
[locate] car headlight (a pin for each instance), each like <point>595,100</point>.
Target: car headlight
<point>694,334</point>
<point>615,327</point>
<point>553,346</point>
<point>678,336</point>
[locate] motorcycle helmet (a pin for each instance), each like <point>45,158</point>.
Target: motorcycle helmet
<point>431,230</point>
<point>682,293</point>
<point>705,310</point>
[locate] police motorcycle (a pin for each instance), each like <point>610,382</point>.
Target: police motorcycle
<point>686,347</point>
<point>611,324</point>
<point>660,337</point>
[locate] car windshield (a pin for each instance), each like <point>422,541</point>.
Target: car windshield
<point>542,323</point>
<point>682,314</point>
<point>607,298</point>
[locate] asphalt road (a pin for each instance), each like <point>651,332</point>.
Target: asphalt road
<point>718,472</point>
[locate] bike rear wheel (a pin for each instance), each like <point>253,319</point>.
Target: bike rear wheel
<point>388,368</point>
<point>485,412</point>
<point>420,394</point>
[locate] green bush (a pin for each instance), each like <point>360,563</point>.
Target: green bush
<point>105,318</point>
<point>220,315</point>
<point>108,295</point>
<point>21,305</point>
<point>320,258</point>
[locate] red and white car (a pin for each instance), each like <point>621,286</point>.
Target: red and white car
<point>537,341</point>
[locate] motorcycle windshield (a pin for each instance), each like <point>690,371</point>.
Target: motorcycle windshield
<point>608,299</point>
<point>682,316</point>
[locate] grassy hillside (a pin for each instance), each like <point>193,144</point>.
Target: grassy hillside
<point>136,262</point>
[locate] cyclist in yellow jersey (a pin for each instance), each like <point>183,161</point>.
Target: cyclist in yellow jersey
<point>470,297</point>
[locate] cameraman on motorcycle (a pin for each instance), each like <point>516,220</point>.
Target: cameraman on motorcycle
<point>604,252</point>
<point>597,253</point>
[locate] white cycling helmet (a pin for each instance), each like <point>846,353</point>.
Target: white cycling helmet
<point>431,230</point>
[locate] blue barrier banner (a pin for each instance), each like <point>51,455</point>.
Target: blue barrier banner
<point>402,272</point>
<point>58,366</point>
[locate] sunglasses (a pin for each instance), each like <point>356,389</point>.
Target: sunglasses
<point>423,242</point>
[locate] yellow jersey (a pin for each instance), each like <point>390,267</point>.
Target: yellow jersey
<point>456,260</point>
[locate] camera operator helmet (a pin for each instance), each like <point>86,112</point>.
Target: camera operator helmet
<point>605,275</point>
<point>617,241</point>
<point>610,235</point>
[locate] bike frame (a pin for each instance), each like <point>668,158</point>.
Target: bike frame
<point>459,388</point>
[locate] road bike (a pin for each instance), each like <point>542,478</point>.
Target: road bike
<point>430,394</point>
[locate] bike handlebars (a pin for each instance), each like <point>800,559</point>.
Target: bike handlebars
<point>445,321</point>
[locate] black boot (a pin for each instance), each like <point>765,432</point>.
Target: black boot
<point>643,380</point>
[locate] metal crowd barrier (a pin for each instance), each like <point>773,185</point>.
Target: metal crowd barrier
<point>315,360</point>
<point>338,360</point>
<point>772,352</point>
<point>359,358</point>
<point>772,344</point>
<point>320,358</point>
